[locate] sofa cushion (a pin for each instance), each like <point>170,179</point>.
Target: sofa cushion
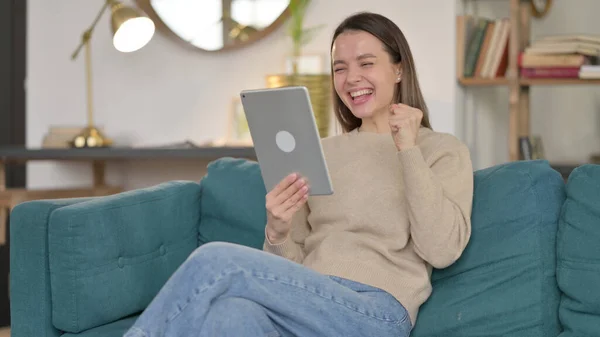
<point>108,257</point>
<point>504,283</point>
<point>233,203</point>
<point>578,270</point>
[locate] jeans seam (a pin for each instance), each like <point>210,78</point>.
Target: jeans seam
<point>276,279</point>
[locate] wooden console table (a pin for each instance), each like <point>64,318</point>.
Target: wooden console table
<point>97,157</point>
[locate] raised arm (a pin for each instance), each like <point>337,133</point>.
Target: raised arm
<point>439,195</point>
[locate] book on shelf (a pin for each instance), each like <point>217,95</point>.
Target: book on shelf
<point>482,46</point>
<point>562,56</point>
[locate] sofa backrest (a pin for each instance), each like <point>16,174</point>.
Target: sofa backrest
<point>503,285</point>
<point>233,203</point>
<point>578,252</point>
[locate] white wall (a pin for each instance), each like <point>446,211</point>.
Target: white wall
<point>165,93</point>
<point>566,117</point>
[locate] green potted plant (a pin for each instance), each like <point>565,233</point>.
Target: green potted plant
<point>299,35</point>
<point>318,85</point>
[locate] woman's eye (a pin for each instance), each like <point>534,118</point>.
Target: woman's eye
<point>338,70</point>
<point>367,64</point>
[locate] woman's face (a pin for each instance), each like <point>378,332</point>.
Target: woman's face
<point>364,76</point>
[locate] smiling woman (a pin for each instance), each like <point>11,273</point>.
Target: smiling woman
<point>372,67</point>
<point>216,25</point>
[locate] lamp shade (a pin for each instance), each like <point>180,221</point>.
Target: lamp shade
<point>131,30</point>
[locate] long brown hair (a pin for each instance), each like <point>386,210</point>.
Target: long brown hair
<point>407,91</point>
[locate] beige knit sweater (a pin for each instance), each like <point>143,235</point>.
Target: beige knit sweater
<point>393,214</point>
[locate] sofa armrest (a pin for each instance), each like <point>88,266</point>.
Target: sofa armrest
<point>107,257</point>
<point>31,306</point>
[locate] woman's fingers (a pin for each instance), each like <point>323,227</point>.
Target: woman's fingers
<point>295,198</point>
<point>273,197</point>
<point>290,191</point>
<point>292,205</point>
<point>284,184</point>
<point>285,209</point>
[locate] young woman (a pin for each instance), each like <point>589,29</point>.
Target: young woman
<point>356,263</point>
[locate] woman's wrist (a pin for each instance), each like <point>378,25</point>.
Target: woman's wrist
<point>274,237</point>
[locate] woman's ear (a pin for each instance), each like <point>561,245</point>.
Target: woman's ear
<point>398,69</point>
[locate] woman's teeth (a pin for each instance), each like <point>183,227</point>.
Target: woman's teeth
<point>360,93</point>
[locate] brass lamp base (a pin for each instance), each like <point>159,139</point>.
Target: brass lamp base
<point>90,137</point>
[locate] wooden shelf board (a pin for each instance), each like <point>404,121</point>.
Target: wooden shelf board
<point>557,81</point>
<point>478,82</point>
<point>482,81</point>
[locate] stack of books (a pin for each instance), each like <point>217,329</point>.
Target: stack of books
<point>562,56</point>
<point>482,46</point>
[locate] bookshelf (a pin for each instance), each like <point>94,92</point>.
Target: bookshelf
<point>505,69</point>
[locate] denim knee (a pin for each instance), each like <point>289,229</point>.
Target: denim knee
<point>222,253</point>
<point>212,251</point>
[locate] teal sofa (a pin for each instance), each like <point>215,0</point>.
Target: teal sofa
<point>89,266</point>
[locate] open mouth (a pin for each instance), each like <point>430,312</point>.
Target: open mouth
<point>361,96</point>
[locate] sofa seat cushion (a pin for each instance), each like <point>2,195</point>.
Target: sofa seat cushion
<point>578,270</point>
<point>233,203</point>
<point>108,257</point>
<point>115,329</point>
<point>504,283</point>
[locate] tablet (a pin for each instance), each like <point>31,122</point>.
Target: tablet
<point>285,136</point>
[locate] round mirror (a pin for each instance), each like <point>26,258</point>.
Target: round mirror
<point>216,25</point>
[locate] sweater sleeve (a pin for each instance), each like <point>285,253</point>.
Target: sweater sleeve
<point>293,247</point>
<point>439,196</point>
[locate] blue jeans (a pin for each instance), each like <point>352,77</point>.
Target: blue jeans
<point>224,289</point>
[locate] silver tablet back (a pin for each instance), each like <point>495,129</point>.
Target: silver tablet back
<point>285,136</point>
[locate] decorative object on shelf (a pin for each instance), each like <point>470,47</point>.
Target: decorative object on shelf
<point>540,8</point>
<point>537,147</point>
<point>61,136</point>
<point>214,26</point>
<point>318,83</point>
<point>238,132</point>
<point>131,31</point>
<point>532,148</point>
<point>305,64</point>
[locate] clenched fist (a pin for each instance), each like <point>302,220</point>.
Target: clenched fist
<point>405,122</point>
<point>282,203</point>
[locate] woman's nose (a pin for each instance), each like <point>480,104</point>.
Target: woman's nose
<point>354,75</point>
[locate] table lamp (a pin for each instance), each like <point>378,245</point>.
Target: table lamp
<point>131,31</point>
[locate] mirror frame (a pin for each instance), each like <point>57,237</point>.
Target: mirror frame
<point>146,6</point>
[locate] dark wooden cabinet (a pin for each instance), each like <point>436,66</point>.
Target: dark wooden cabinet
<point>12,113</point>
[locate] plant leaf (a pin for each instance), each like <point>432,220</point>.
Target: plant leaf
<point>309,33</point>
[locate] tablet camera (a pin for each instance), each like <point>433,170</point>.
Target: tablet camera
<point>285,141</point>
